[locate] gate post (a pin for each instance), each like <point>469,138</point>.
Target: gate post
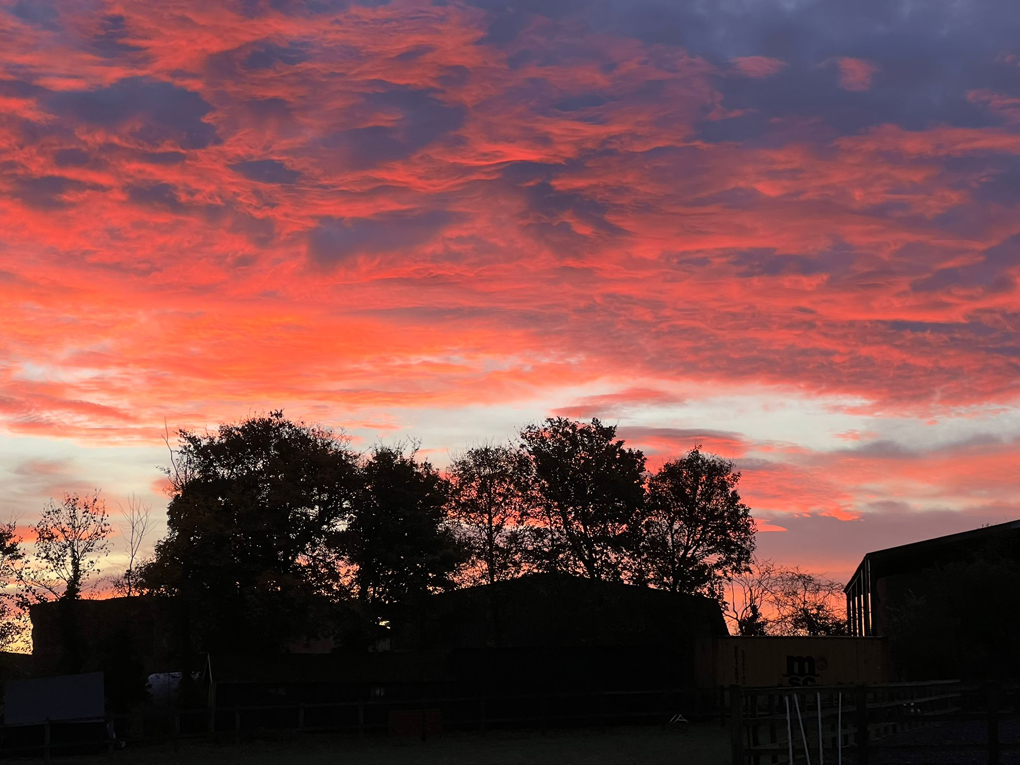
<point>862,725</point>
<point>992,704</point>
<point>737,724</point>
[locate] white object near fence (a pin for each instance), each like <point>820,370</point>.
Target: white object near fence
<point>803,735</point>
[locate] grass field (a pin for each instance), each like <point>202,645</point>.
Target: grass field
<point>702,744</point>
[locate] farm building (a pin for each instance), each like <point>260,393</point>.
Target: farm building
<point>940,603</point>
<point>885,574</point>
<point>563,633</point>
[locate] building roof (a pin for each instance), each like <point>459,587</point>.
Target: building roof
<point>556,610</point>
<point>923,553</point>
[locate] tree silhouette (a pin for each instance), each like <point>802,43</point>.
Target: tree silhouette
<point>397,542</point>
<point>769,599</point>
<point>70,539</point>
<point>249,502</point>
<point>751,598</point>
<point>11,556</point>
<point>696,532</point>
<point>808,604</point>
<point>492,498</point>
<point>590,496</point>
<point>137,524</point>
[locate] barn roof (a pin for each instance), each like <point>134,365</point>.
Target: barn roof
<point>920,555</point>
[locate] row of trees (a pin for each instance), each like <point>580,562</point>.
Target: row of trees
<point>270,522</point>
<point>270,519</point>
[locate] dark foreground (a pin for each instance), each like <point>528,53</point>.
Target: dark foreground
<point>688,744</point>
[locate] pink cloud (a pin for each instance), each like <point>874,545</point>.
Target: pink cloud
<point>758,67</point>
<point>855,73</point>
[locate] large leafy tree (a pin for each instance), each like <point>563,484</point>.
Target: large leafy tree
<point>397,542</point>
<point>696,532</point>
<point>590,496</point>
<point>249,502</point>
<point>492,500</point>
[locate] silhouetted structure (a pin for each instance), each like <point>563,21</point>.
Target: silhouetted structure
<point>563,633</point>
<point>86,635</point>
<point>884,577</point>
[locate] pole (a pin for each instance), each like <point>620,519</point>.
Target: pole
<point>736,725</point>
<point>803,735</point>
<point>789,729</point>
<point>862,725</point>
<point>993,723</point>
<point>821,741</point>
<point>839,728</point>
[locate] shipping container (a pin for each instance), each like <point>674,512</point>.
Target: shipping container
<point>792,661</point>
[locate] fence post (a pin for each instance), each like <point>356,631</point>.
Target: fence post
<point>46,740</point>
<point>300,716</point>
<point>992,702</point>
<point>481,713</point>
<point>737,724</point>
<point>361,720</point>
<point>862,725</point>
<point>237,725</point>
<point>177,730</point>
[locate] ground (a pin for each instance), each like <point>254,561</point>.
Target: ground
<point>687,744</point>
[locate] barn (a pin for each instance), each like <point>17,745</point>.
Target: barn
<point>940,602</point>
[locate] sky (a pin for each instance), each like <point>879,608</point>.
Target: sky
<point>784,229</point>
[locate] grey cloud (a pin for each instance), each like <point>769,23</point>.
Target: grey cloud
<point>266,171</point>
<point>167,112</point>
<point>335,240</point>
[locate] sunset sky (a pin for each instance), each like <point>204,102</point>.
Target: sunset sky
<point>787,230</point>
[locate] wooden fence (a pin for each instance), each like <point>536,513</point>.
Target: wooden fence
<point>868,725</point>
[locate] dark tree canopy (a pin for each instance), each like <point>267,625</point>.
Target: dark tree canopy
<point>696,531</point>
<point>248,503</point>
<point>590,489</point>
<point>397,541</point>
<point>492,499</point>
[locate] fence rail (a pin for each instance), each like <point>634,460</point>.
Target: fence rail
<point>868,725</point>
<point>418,717</point>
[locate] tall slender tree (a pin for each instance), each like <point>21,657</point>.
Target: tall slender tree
<point>590,496</point>
<point>70,540</point>
<point>137,523</point>
<point>492,500</point>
